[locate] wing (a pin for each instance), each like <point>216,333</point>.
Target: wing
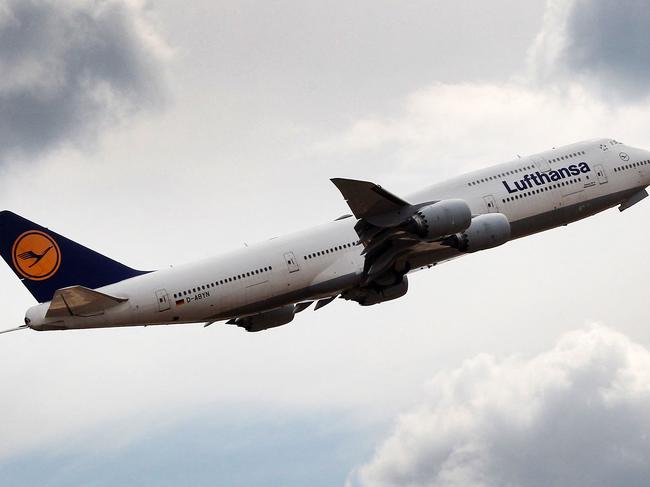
<point>371,202</point>
<point>80,301</point>
<point>391,246</point>
<point>380,216</point>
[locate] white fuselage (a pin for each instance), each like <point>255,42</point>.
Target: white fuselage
<point>327,260</point>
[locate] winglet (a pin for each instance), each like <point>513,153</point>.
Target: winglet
<point>367,200</point>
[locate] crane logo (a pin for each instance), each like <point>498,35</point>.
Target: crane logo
<point>36,255</point>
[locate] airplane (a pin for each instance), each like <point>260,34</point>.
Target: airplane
<point>364,256</point>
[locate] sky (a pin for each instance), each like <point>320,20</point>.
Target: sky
<point>159,133</point>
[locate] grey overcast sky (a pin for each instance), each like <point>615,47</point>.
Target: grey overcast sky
<point>161,132</point>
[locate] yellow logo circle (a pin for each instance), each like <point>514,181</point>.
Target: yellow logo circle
<point>36,255</point>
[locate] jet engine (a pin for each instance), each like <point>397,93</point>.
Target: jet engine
<point>485,232</point>
<point>375,295</point>
<point>440,219</point>
<point>268,319</point>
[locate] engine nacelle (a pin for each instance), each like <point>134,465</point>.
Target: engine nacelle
<point>440,219</point>
<point>371,296</point>
<point>268,319</point>
<point>485,232</point>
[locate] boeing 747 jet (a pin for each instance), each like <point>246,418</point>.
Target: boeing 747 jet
<point>365,256</point>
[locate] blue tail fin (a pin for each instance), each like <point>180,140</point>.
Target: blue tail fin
<point>46,261</point>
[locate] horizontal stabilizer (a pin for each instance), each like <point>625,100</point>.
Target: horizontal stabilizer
<point>80,301</point>
<point>367,200</point>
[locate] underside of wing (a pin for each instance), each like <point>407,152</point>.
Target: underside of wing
<point>80,301</point>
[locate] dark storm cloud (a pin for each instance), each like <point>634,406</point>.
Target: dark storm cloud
<point>603,44</point>
<point>68,68</point>
<point>610,40</point>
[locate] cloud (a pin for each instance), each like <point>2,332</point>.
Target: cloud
<point>445,129</point>
<point>588,56</point>
<point>70,68</point>
<point>576,415</point>
<point>603,43</point>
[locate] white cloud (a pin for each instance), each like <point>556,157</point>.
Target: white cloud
<point>446,129</point>
<point>576,415</point>
<point>587,56</point>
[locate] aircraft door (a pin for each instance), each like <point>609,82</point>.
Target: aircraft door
<point>292,262</point>
<point>163,300</point>
<point>491,204</point>
<point>602,175</point>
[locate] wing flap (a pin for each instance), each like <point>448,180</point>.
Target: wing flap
<point>80,301</point>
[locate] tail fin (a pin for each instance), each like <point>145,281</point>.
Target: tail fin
<point>46,261</point>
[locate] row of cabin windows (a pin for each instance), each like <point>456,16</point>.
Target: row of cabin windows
<point>568,156</point>
<point>631,166</point>
<point>500,175</point>
<point>541,190</point>
<point>221,282</point>
<point>331,250</point>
